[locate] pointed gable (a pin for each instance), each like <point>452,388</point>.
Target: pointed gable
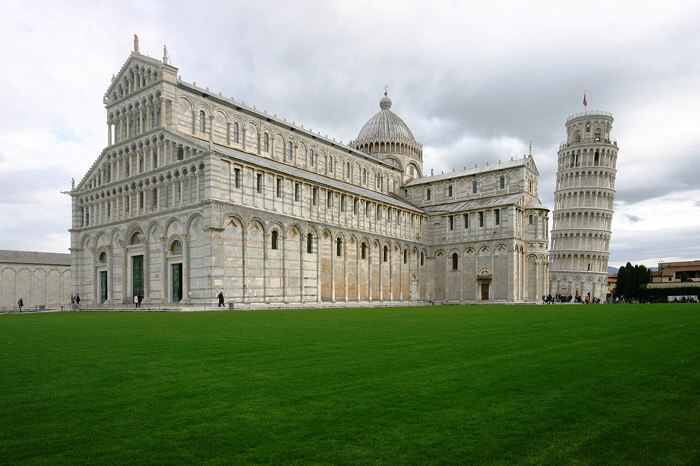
<point>138,72</point>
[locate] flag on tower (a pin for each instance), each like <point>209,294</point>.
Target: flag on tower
<point>585,104</point>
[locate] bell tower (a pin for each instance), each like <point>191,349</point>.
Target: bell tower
<point>583,207</point>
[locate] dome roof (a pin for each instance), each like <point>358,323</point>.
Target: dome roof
<point>385,126</point>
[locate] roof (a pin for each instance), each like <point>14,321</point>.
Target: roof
<point>315,178</point>
<point>470,171</point>
<point>482,203</point>
<point>385,125</point>
<point>31,257</point>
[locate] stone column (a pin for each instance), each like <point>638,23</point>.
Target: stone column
<point>186,267</point>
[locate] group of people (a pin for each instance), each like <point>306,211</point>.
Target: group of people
<point>138,299</point>
<point>75,299</point>
<point>558,298</point>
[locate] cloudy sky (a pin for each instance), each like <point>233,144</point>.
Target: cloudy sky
<point>474,80</point>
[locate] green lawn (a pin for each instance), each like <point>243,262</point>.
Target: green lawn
<point>505,384</point>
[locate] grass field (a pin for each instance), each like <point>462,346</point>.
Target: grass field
<point>509,384</point>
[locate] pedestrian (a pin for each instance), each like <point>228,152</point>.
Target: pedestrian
<point>77,299</point>
<point>72,299</point>
<point>140,299</point>
<point>136,301</point>
<point>221,298</point>
<point>20,303</point>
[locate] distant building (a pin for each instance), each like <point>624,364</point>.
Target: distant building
<point>612,283</point>
<point>671,274</point>
<point>39,278</point>
<point>583,207</point>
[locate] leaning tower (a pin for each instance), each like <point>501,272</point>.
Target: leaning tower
<point>583,207</point>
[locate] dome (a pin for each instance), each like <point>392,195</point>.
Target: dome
<point>385,126</point>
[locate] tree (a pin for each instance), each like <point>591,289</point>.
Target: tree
<point>630,279</point>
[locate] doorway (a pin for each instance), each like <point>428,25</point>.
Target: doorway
<point>176,277</point>
<point>103,286</point>
<point>485,291</point>
<point>137,275</point>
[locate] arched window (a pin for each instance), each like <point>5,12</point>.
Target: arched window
<point>421,259</point>
<point>338,247</point>
<point>235,133</point>
<point>588,127</point>
<point>266,142</point>
<point>455,261</point>
<point>311,158</point>
<point>274,239</point>
<point>427,194</point>
<point>202,121</point>
<point>364,251</point>
<point>411,170</point>
<point>290,149</point>
<point>176,247</point>
<point>405,256</point>
<point>180,153</point>
<point>329,165</point>
<point>103,257</point>
<point>596,159</point>
<point>347,169</point>
<point>474,186</point>
<point>449,190</point>
<point>309,243</point>
<point>364,176</point>
<point>386,253</point>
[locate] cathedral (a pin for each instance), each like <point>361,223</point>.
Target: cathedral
<point>197,194</point>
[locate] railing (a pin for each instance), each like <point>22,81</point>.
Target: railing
<point>591,113</point>
<point>587,140</point>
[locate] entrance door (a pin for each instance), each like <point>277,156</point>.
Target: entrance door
<point>137,275</point>
<point>485,291</point>
<point>176,274</point>
<point>103,286</point>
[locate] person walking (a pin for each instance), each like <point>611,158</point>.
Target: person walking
<point>221,298</point>
<point>77,299</point>
<point>20,303</point>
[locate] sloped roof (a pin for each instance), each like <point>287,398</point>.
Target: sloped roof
<point>470,171</point>
<point>31,257</point>
<point>481,203</point>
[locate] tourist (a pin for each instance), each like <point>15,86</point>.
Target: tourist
<point>221,298</point>
<point>20,303</point>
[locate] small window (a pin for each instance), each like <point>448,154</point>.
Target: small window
<point>297,191</point>
<point>449,190</point>
<point>235,133</point>
<point>329,165</point>
<point>266,142</point>
<point>290,150</point>
<point>421,258</point>
<point>314,196</point>
<point>259,186</point>
<point>279,187</point>
<point>588,127</point>
<point>103,257</point>
<point>338,247</point>
<point>503,182</point>
<point>237,177</point>
<point>311,158</point>
<point>202,121</point>
<point>355,206</point>
<point>309,243</point>
<point>474,186</point>
<point>180,154</point>
<point>411,170</point>
<point>455,261</point>
<point>497,214</point>
<point>596,159</point>
<point>274,239</point>
<point>386,253</point>
<point>529,219</point>
<point>452,222</point>
<point>405,256</point>
<point>364,251</point>
<point>466,220</point>
<point>481,219</point>
<point>364,176</point>
<point>427,194</point>
<point>347,169</point>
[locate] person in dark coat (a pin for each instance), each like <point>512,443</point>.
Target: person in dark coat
<point>20,303</point>
<point>140,298</point>
<point>221,298</point>
<point>77,298</point>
